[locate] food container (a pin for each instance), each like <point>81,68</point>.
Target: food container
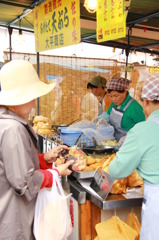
<point>75,137</point>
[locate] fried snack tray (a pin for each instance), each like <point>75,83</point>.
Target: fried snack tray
<point>97,150</point>
<point>100,149</point>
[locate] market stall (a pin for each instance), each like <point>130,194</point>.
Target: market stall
<point>87,207</point>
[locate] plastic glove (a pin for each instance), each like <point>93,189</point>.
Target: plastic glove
<point>102,121</point>
<point>95,120</point>
<point>104,115</point>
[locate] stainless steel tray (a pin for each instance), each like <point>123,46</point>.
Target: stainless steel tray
<point>83,174</point>
<point>100,149</point>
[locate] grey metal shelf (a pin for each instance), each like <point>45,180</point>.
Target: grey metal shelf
<point>113,201</point>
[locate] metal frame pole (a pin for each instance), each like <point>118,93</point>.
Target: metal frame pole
<point>127,50</point>
<point>10,42</point>
<point>37,59</point>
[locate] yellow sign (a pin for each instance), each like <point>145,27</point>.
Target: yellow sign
<point>111,20</point>
<point>153,69</point>
<point>56,24</point>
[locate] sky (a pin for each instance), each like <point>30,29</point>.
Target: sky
<point>26,44</point>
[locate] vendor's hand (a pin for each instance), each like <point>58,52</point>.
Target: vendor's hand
<point>104,115</point>
<point>63,168</point>
<point>102,121</point>
<point>95,120</point>
<point>52,155</point>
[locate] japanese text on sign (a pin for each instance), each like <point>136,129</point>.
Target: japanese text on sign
<point>111,20</point>
<point>56,24</point>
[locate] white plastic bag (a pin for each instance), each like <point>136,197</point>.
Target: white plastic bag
<point>52,219</point>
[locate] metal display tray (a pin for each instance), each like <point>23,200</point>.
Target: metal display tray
<point>100,149</point>
<point>83,174</point>
<point>113,201</point>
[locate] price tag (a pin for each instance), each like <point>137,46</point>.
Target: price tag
<point>48,145</point>
<point>44,145</point>
<point>102,183</point>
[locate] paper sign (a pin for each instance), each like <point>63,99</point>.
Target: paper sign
<point>111,20</point>
<point>133,193</point>
<point>102,183</point>
<point>56,24</point>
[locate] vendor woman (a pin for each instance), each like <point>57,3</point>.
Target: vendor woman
<point>124,111</point>
<point>140,151</point>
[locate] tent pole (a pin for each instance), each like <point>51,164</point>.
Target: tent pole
<point>37,60</point>
<point>127,50</point>
<point>10,43</point>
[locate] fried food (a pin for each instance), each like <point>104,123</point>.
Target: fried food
<point>110,143</point>
<point>134,180</point>
<point>42,126</point>
<point>119,186</point>
<point>90,160</point>
<point>45,132</point>
<point>40,118</point>
<point>89,168</point>
<point>73,153</point>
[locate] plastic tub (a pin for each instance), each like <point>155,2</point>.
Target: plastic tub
<point>75,137</point>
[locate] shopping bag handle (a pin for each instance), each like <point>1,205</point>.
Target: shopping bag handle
<point>56,180</point>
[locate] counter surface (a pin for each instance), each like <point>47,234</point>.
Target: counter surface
<point>113,201</point>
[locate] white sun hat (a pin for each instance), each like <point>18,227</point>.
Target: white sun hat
<point>20,83</point>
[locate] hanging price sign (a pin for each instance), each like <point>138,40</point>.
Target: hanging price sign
<point>111,20</point>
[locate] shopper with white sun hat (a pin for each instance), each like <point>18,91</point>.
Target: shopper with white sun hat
<point>22,172</point>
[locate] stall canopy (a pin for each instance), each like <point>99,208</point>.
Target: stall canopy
<point>142,23</point>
